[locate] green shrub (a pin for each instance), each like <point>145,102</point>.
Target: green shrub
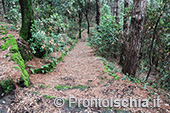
<point>6,86</point>
<point>104,39</point>
<point>48,35</point>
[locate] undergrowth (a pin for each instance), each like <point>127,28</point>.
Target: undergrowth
<point>66,87</point>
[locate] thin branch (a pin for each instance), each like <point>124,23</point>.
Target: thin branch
<point>153,39</point>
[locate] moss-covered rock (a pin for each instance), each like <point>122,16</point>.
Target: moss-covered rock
<point>16,57</point>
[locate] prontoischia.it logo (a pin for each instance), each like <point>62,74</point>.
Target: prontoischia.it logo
<point>127,103</point>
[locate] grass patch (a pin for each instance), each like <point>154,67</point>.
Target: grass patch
<point>41,86</point>
<point>62,87</point>
<point>48,97</point>
<point>81,87</point>
<point>66,87</point>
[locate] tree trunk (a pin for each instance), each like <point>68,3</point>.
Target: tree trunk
<point>3,4</point>
<point>80,21</point>
<point>103,2</point>
<point>126,25</point>
<point>98,12</point>
<point>27,18</point>
<point>86,15</point>
<point>88,24</point>
<point>134,40</point>
<point>116,10</point>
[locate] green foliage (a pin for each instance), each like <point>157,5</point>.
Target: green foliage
<point>6,86</point>
<point>66,87</point>
<point>104,39</point>
<point>48,97</point>
<point>45,68</point>
<point>110,68</point>
<point>136,80</point>
<point>48,86</point>
<point>50,66</point>
<point>13,13</point>
<point>62,87</point>
<point>48,36</point>
<point>41,86</point>
<point>161,45</point>
<point>3,31</point>
<point>81,87</point>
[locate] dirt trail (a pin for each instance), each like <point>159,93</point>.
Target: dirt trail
<point>81,67</point>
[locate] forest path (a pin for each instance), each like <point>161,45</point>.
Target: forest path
<point>79,67</point>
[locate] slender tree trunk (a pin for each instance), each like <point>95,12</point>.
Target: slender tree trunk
<point>80,21</point>
<point>103,2</point>
<point>126,25</point>
<point>27,18</point>
<point>86,15</point>
<point>116,10</point>
<point>98,12</point>
<point>111,5</point>
<point>153,39</point>
<point>3,4</point>
<point>88,24</point>
<point>134,40</point>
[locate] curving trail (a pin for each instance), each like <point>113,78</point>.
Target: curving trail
<point>80,67</point>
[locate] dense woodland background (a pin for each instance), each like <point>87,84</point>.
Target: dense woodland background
<point>133,33</point>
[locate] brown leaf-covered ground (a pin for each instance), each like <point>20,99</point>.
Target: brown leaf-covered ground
<point>80,67</point>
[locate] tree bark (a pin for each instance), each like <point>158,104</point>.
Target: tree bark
<point>98,12</point>
<point>86,15</point>
<point>133,48</point>
<point>116,10</point>
<point>27,18</point>
<point>3,4</point>
<point>88,24</point>
<point>126,25</point>
<point>80,21</point>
